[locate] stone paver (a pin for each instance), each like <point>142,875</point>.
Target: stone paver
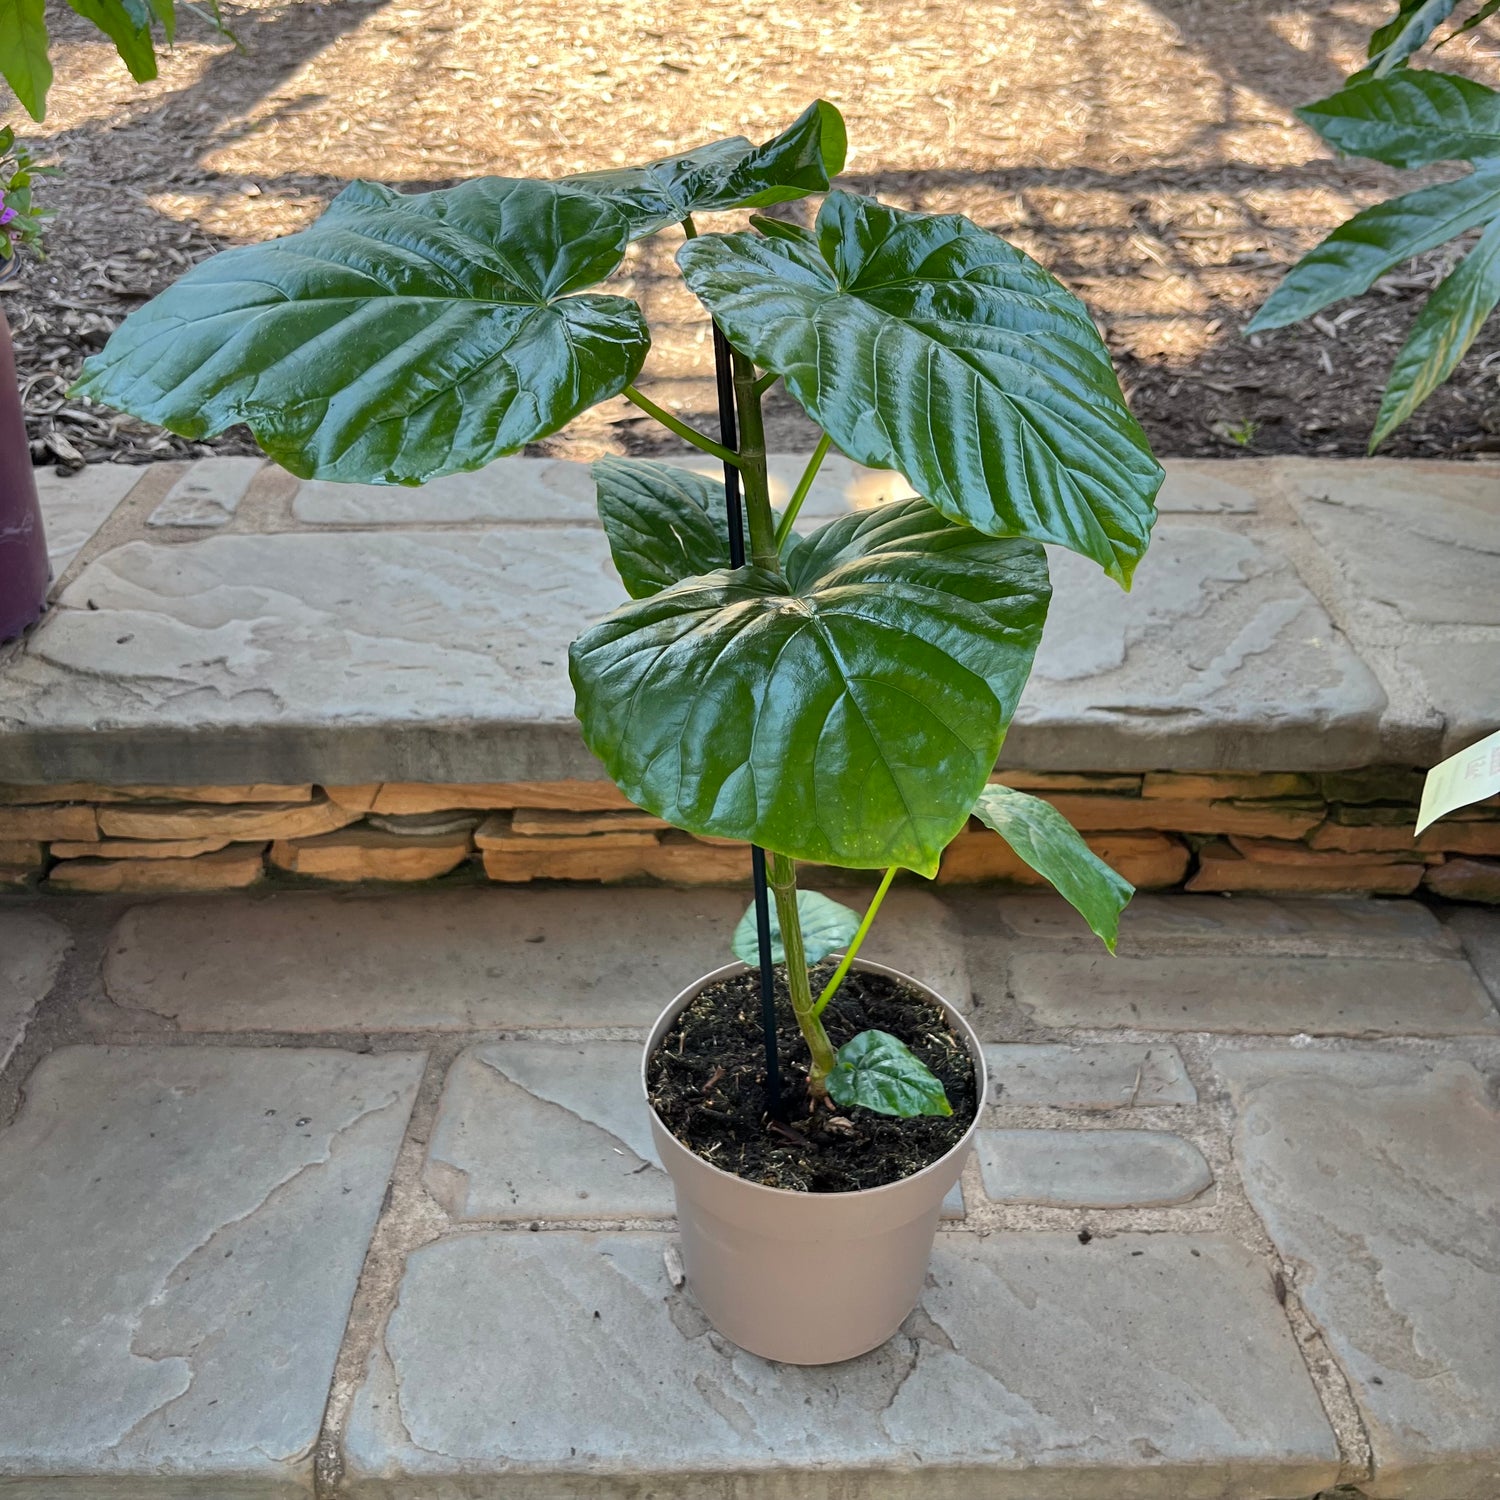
<point>181,1230</point>
<point>76,506</point>
<point>1379,1177</point>
<point>1412,550</point>
<point>460,959</point>
<point>1480,933</point>
<point>1036,1367</point>
<point>1193,992</point>
<point>207,496</point>
<point>1331,927</point>
<point>1105,1075</point>
<point>1219,647</point>
<point>559,490</point>
<point>340,662</point>
<point>551,1130</point>
<point>1459,680</point>
<point>1091,1168</point>
<point>32,948</point>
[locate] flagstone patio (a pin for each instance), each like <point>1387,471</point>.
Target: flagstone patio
<point>314,1194</point>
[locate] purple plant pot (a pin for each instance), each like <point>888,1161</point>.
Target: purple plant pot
<point>24,571</point>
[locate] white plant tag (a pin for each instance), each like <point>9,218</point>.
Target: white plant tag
<point>1470,776</point>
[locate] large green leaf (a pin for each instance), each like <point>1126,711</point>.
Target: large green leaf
<point>128,26</point>
<point>725,174</point>
<point>848,714</point>
<point>921,343</point>
<point>1411,119</point>
<point>664,523</point>
<point>1405,33</point>
<point>878,1071</point>
<point>23,53</point>
<point>1442,333</point>
<point>1050,844</point>
<point>396,339</point>
<point>1379,239</point>
<point>827,927</point>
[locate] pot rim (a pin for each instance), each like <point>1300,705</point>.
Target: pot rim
<point>976,1054</point>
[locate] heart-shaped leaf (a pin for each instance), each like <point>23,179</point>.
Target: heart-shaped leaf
<point>923,344</point>
<point>664,523</point>
<point>725,174</point>
<point>1050,844</point>
<point>877,1071</point>
<point>1448,323</point>
<point>827,927</point>
<point>398,338</point>
<point>848,714</point>
<point>1411,119</point>
<point>1379,239</point>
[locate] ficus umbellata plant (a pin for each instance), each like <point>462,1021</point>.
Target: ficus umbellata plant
<point>841,697</point>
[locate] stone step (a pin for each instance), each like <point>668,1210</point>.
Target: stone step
<point>314,1195</point>
<point>220,624</point>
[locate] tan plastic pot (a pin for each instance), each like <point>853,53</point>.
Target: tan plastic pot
<point>807,1278</point>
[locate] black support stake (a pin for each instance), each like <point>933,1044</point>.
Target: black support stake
<point>734,510</point>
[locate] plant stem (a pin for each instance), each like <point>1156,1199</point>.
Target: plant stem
<point>765,382</point>
<point>681,428</point>
<point>781,872</point>
<point>752,458</point>
<point>689,229</point>
<point>784,530</point>
<point>831,988</point>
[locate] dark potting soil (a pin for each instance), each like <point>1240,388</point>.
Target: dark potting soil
<point>707,1082</point>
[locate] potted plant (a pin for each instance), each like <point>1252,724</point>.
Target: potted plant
<point>24,571</point>
<point>836,697</point>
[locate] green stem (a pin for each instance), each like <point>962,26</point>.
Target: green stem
<point>781,876</point>
<point>689,228</point>
<point>784,530</point>
<point>687,434</point>
<point>765,382</point>
<point>831,988</point>
<point>759,519</point>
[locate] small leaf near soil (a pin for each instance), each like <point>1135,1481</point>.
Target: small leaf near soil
<point>878,1072</point>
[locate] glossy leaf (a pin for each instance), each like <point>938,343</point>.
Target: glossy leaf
<point>1414,21</point>
<point>923,344</point>
<point>664,523</point>
<point>23,53</point>
<point>128,26</point>
<point>877,1071</point>
<point>398,338</point>
<point>1411,119</point>
<point>827,927</point>
<point>725,174</point>
<point>1447,324</point>
<point>848,714</point>
<point>1379,239</point>
<point>1046,841</point>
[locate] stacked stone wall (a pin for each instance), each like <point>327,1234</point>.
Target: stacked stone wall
<point>1264,831</point>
